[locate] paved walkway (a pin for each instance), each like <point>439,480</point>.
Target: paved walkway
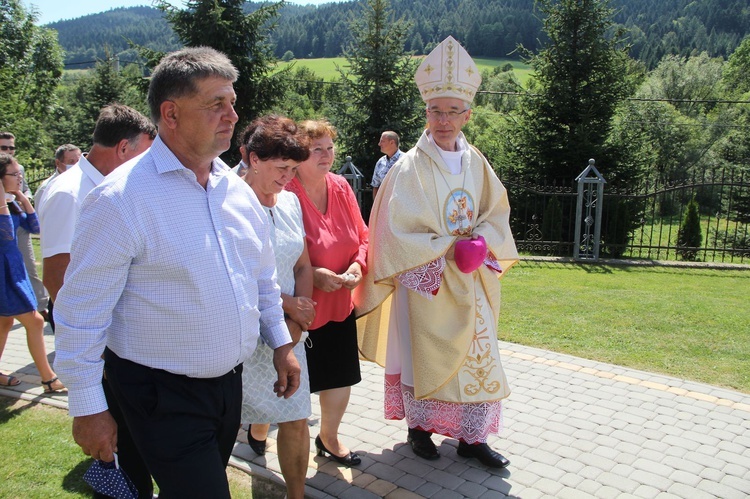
<point>573,429</point>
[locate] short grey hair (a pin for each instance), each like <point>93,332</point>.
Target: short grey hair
<point>177,73</point>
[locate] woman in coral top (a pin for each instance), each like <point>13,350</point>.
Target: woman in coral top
<point>337,239</point>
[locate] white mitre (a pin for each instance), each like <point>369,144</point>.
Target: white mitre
<point>448,71</point>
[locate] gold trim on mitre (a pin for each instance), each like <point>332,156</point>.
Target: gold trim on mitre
<point>448,71</point>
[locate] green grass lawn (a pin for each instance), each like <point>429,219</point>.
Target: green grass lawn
<point>40,460</point>
<point>326,68</point>
<point>683,322</point>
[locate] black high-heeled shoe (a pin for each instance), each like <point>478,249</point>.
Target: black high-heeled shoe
<point>258,446</point>
<point>350,459</point>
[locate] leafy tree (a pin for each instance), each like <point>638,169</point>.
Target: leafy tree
<point>224,25</point>
<point>737,72</point>
<point>377,86</point>
<point>305,96</point>
<point>499,80</point>
<point>30,68</point>
<point>696,80</point>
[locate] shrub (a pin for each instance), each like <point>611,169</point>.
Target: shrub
<point>689,235</point>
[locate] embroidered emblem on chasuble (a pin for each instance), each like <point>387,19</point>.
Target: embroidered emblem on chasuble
<point>458,212</point>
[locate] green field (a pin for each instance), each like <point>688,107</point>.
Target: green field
<point>326,68</point>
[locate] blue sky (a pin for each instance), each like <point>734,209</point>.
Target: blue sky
<point>55,10</point>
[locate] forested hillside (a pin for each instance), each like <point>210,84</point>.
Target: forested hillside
<point>489,28</point>
<point>98,36</point>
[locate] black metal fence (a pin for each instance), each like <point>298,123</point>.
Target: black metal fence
<point>641,222</point>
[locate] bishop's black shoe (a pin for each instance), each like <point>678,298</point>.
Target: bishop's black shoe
<point>422,445</point>
<point>483,453</point>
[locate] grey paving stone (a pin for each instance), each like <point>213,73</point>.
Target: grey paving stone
<point>589,486</point>
<point>573,493</point>
<point>618,482</point>
<point>545,470</point>
<point>499,484</point>
<point>410,482</point>
<point>416,467</point>
<point>599,462</point>
<point>681,490</point>
<point>320,481</point>
<point>653,434</point>
<point>543,457</point>
<point>476,475</point>
<point>471,489</point>
<point>429,489</point>
<point>457,468</point>
<point>721,490</point>
<point>739,484</point>
<point>448,494</point>
<point>549,487</point>
<point>680,441</point>
<point>737,458</point>
<point>646,478</point>
<point>567,452</point>
<point>337,488</point>
<point>646,492</point>
<point>707,461</point>
<point>357,493</point>
<point>627,436</point>
<point>683,465</point>
<point>385,472</point>
<point>585,446</point>
<point>444,479</point>
<point>690,479</point>
<point>608,453</point>
<point>654,467</point>
<point>735,468</point>
<point>533,494</point>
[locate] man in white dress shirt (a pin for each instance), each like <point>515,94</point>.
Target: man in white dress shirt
<point>66,156</point>
<point>171,273</point>
<point>121,133</point>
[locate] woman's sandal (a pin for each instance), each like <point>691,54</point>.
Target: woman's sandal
<point>48,385</point>
<point>10,380</point>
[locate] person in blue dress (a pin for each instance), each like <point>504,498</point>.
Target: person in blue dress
<point>17,299</point>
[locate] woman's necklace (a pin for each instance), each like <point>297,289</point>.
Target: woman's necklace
<point>312,199</point>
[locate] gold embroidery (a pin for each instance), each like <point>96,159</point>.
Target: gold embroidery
<point>480,363</point>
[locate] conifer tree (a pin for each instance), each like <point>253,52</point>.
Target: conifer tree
<point>224,25</point>
<point>580,76</point>
<point>378,92</point>
<point>689,235</point>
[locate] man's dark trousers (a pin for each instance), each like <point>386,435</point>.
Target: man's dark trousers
<point>184,428</point>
